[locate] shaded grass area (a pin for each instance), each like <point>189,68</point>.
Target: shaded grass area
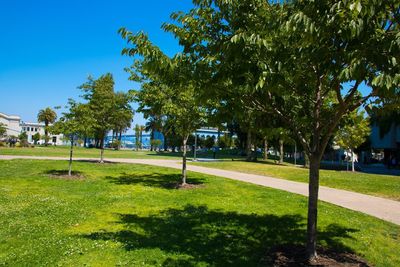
<point>125,215</point>
<point>373,184</point>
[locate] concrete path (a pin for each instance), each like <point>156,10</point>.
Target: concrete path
<point>382,208</point>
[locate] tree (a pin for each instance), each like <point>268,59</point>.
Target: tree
<point>353,133</point>
<point>3,130</point>
<point>137,137</point>
<point>209,142</point>
<point>101,102</point>
<point>23,139</point>
<point>47,116</point>
<point>36,138</point>
<point>122,114</point>
<point>307,61</point>
<point>155,143</point>
<point>171,82</point>
<point>73,124</point>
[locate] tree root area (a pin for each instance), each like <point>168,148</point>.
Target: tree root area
<point>294,255</point>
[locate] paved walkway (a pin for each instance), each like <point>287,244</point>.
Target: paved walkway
<point>382,208</point>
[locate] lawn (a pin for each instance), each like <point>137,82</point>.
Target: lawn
<point>130,215</point>
<point>372,184</point>
<point>81,152</point>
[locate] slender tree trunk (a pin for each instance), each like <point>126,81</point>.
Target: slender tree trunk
<point>70,156</point>
<point>312,207</point>
<point>280,151</point>
<point>165,143</point>
<point>248,146</point>
<point>141,140</point>
<point>184,174</point>
<point>352,160</point>
<point>265,156</point>
<point>46,134</point>
<point>102,150</point>
<point>119,139</point>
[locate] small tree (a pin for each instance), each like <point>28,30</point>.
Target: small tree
<point>3,130</point>
<point>155,143</point>
<point>137,137</point>
<point>47,116</point>
<point>36,138</point>
<point>23,139</point>
<point>170,87</point>
<point>209,142</point>
<point>74,123</point>
<point>353,133</point>
<point>101,102</point>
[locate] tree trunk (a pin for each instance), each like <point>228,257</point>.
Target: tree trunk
<point>352,161</point>
<point>248,146</point>
<point>306,160</point>
<point>165,143</point>
<point>46,134</point>
<point>312,207</point>
<point>141,140</point>
<point>184,175</point>
<point>280,151</point>
<point>151,139</point>
<point>102,150</point>
<point>119,139</point>
<point>70,156</point>
<point>265,156</point>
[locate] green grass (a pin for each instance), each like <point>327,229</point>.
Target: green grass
<point>373,184</point>
<point>81,152</point>
<point>129,215</point>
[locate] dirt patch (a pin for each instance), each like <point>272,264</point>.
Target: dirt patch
<point>63,174</point>
<point>294,255</point>
<point>184,186</point>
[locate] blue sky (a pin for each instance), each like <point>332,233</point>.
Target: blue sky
<point>48,48</point>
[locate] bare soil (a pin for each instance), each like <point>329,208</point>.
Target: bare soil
<point>185,186</point>
<point>63,174</point>
<point>294,255</point>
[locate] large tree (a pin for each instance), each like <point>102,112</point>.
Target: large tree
<point>306,61</point>
<point>47,116</point>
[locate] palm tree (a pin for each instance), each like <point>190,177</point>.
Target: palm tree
<point>47,116</point>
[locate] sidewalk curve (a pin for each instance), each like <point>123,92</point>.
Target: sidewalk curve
<point>382,208</point>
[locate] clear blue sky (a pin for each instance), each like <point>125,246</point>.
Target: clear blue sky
<point>48,48</point>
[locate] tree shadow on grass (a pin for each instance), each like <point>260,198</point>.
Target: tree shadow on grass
<point>196,235</point>
<point>160,180</point>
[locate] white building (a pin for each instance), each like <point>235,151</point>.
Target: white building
<point>15,127</point>
<point>32,128</point>
<point>12,124</point>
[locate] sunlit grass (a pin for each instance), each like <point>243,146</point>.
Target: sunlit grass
<point>378,185</point>
<point>129,215</point>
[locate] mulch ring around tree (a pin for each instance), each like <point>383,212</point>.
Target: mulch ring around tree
<point>184,186</point>
<point>294,255</point>
<point>63,174</point>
